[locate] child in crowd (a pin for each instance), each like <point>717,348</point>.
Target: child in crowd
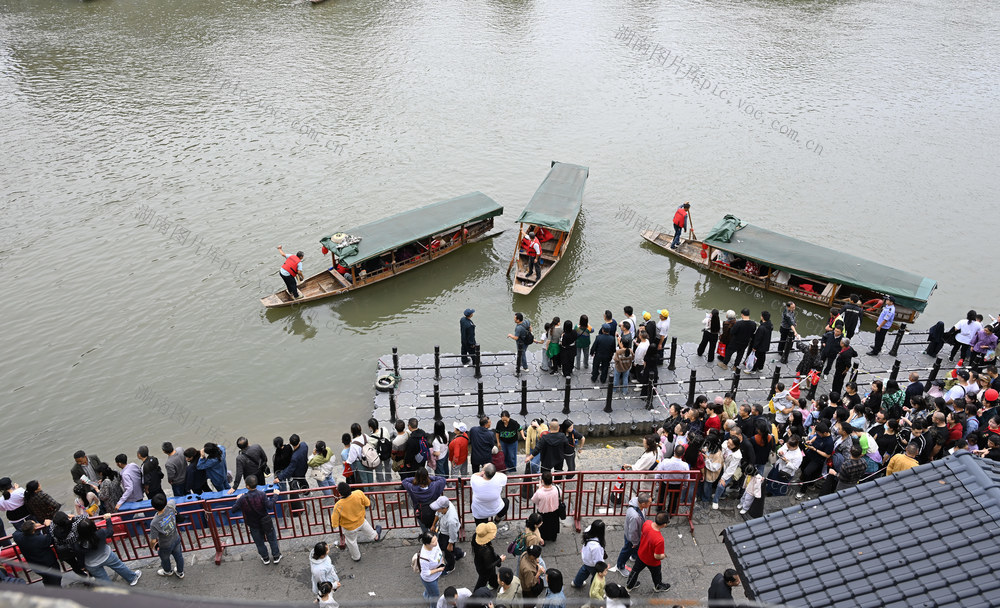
<point>597,585</point>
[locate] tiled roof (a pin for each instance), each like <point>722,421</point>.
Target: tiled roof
<point>929,536</point>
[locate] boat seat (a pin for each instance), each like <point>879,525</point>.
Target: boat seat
<point>336,277</point>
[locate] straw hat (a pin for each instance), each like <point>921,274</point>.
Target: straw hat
<point>486,532</point>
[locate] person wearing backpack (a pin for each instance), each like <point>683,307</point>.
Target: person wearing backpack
<point>424,490</point>
<point>362,474</point>
<point>416,451</point>
<point>381,440</point>
<point>458,451</point>
<point>635,516</point>
<point>523,337</point>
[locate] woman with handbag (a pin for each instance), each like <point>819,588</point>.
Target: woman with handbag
<point>546,502</point>
<point>710,334</point>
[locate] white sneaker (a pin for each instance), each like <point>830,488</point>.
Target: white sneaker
<point>612,568</point>
<point>743,511</point>
<point>162,572</point>
<point>138,573</point>
<point>715,506</point>
<point>799,496</point>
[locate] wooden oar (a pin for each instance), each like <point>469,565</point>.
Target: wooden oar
<point>691,226</point>
<point>517,247</point>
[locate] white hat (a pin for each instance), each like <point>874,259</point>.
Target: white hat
<point>441,502</point>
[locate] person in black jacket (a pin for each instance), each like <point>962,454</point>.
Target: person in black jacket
<point>602,350</point>
<point>852,315</point>
<point>482,440</point>
<point>831,346</point>
<point>152,474</point>
<point>552,447</point>
<point>762,340</point>
<point>196,480</point>
<point>484,557</point>
<point>35,543</point>
<point>844,357</point>
<point>411,448</point>
<point>720,593</point>
<point>252,460</point>
<point>740,337</point>
<point>468,332</point>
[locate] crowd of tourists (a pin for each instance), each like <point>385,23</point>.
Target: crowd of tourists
<point>843,437</point>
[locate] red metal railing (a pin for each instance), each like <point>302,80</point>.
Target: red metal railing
<point>211,524</point>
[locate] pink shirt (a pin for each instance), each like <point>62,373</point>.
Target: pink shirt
<point>546,500</point>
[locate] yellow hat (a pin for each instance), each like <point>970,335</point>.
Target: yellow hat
<point>486,532</point>
<point>664,313</point>
<point>646,316</point>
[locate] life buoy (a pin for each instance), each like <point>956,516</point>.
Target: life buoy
<point>872,305</point>
<point>704,251</point>
<point>435,245</point>
<point>386,382</point>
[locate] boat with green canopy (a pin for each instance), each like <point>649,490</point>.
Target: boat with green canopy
<point>799,269</point>
<point>551,215</point>
<point>387,247</point>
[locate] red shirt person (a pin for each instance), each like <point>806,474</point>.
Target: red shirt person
<point>651,552</point>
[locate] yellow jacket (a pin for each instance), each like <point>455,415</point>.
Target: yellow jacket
<point>349,512</point>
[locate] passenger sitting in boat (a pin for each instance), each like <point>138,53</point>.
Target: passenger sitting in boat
<point>543,234</point>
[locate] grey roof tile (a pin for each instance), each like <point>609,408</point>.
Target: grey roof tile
<point>925,537</point>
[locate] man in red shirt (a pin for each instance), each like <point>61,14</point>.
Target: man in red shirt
<point>651,551</point>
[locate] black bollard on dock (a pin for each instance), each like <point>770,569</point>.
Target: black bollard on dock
<point>566,397</point>
<point>524,397</point>
<point>392,405</point>
<point>673,354</point>
<point>475,361</point>
<point>736,382</point>
<point>607,400</point>
<point>649,396</point>
<point>899,340</point>
<point>437,362</point>
<point>895,371</point>
<point>788,349</point>
<point>935,369</point>
<point>517,360</point>
<point>395,361</point>
<point>480,411</point>
<point>774,381</point>
<point>693,384</point>
<point>437,402</point>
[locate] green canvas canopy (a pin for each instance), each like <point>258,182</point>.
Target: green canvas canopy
<point>393,232</point>
<point>557,201</point>
<point>817,262</point>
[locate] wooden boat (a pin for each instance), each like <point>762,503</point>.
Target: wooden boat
<point>394,245</point>
<point>799,269</point>
<point>554,207</point>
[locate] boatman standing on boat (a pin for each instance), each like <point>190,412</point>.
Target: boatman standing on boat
<point>291,270</point>
<point>680,224</point>
<point>534,250</point>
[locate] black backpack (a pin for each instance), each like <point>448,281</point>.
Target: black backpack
<point>528,338</point>
<point>383,446</point>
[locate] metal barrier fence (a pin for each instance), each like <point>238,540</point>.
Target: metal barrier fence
<point>211,524</point>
